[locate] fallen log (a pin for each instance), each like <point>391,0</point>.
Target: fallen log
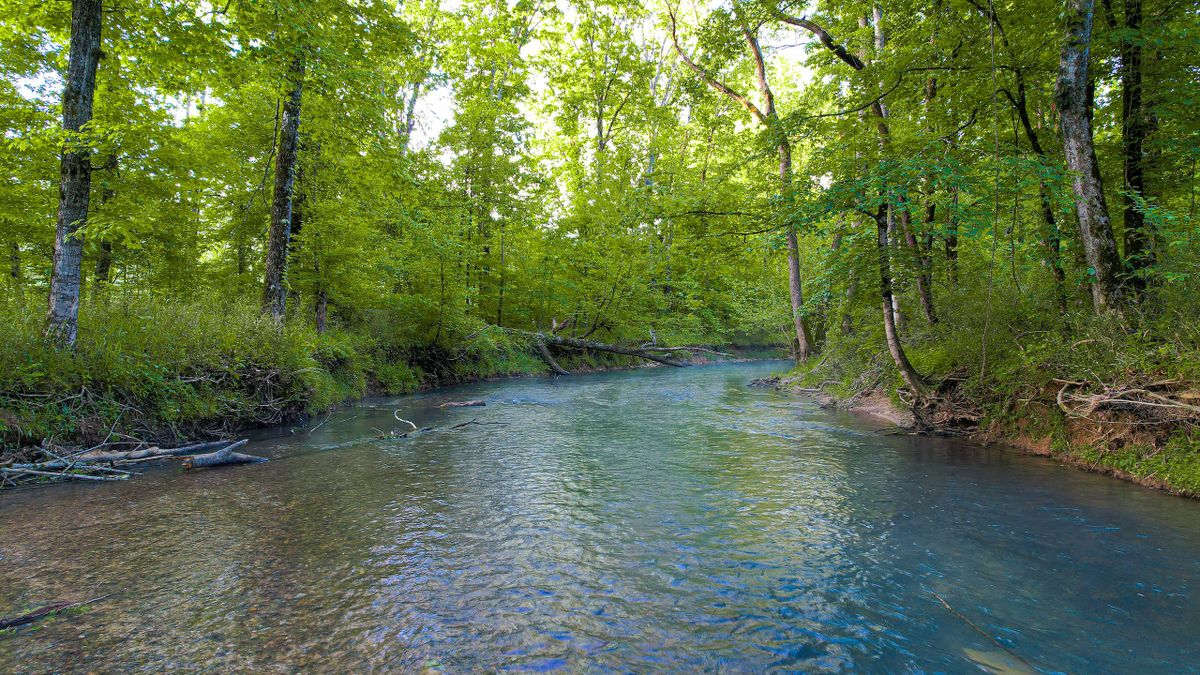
<point>222,457</point>
<point>702,350</point>
<point>540,342</point>
<point>549,359</point>
<point>579,343</point>
<point>61,475</point>
<point>127,456</point>
<point>43,612</point>
<point>459,404</point>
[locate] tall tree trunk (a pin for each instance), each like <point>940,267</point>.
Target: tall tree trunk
<point>410,117</point>
<point>104,261</point>
<point>1051,237</point>
<point>1074,105</point>
<point>321,310</point>
<point>951,240</point>
<point>75,184</point>
<point>804,345</point>
<point>925,252</point>
<point>924,282</point>
<point>883,247</point>
<point>1139,253</point>
<point>14,268</point>
<point>274,298</point>
<point>847,321</point>
<point>768,117</point>
<point>503,279</point>
<point>885,226</point>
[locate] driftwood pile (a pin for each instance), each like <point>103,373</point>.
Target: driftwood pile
<point>101,463</point>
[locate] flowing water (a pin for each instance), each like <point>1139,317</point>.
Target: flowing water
<point>653,520</point>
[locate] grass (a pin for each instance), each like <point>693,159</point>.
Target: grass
<point>1175,465</point>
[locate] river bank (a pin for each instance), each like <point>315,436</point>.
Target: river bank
<point>1114,444</point>
<point>137,385</point>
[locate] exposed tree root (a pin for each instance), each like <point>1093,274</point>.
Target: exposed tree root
<point>1164,402</point>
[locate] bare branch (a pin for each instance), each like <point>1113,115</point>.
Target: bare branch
<point>826,39</point>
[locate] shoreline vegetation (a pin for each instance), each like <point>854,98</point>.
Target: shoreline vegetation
<point>173,376</point>
<point>1112,401</point>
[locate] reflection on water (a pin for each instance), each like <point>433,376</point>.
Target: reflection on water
<point>648,520</point>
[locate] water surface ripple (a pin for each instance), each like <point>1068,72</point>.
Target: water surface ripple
<point>654,520</point>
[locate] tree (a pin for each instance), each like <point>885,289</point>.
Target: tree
<point>1075,110</point>
<point>768,117</point>
<point>75,182</point>
<point>274,275</point>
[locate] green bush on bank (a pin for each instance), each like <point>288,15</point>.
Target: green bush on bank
<point>167,369</point>
<point>1175,465</point>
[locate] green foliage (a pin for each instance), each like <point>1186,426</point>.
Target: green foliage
<point>1176,464</point>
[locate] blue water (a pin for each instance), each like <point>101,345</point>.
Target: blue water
<point>654,520</point>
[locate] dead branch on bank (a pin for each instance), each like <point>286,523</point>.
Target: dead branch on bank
<point>1165,402</point>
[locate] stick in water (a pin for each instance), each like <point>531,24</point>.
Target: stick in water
<point>396,414</point>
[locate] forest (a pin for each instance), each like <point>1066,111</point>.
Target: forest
<point>218,214</point>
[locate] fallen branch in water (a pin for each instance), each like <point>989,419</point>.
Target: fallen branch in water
<point>961,617</point>
<point>86,464</point>
<point>461,404</point>
<point>396,414</point>
<point>45,611</point>
<point>60,475</point>
<point>222,457</point>
<point>476,421</point>
<point>78,459</point>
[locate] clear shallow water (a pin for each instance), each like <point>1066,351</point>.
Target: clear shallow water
<point>656,520</point>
